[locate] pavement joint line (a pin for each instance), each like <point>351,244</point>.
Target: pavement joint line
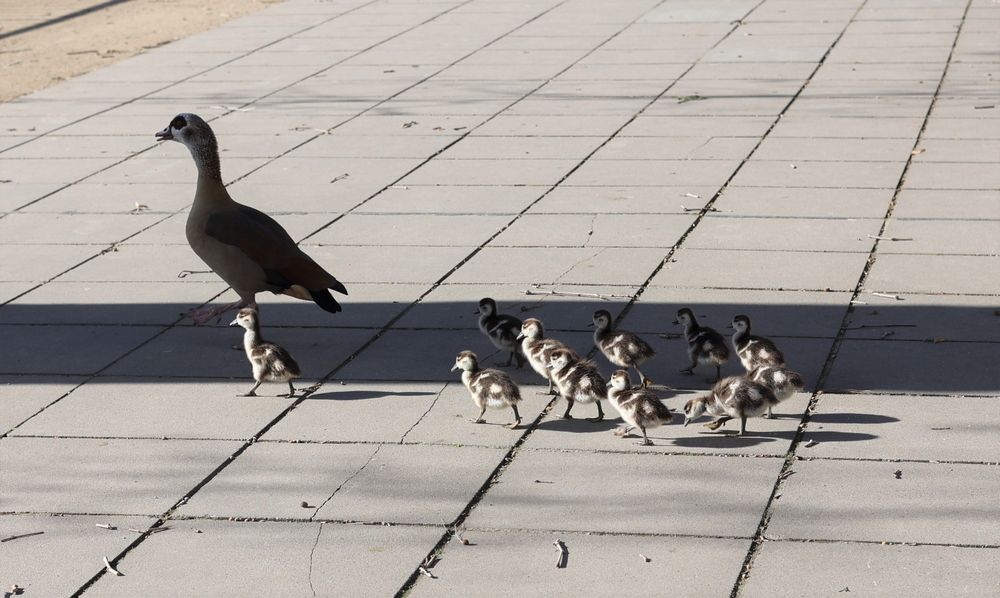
<point>312,553</point>
<point>881,543</point>
<point>182,80</point>
<point>402,439</point>
<point>759,537</point>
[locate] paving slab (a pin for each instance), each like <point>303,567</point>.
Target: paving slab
<point>38,263</point>
<point>783,234</point>
<point>417,483</point>
<point>685,126</point>
<point>791,149</point>
<point>652,172</point>
<point>872,569</point>
<point>595,230</point>
<point>678,148</point>
<point>595,561</point>
<point>60,347</point>
<point>23,396</point>
<point>66,553</point>
<point>326,558</point>
<point>941,366</point>
<point>140,477</point>
<point>615,200</point>
<point>119,198</point>
<point>852,127</point>
<point>388,264</point>
<point>444,199</point>
<point>800,173</point>
<point>490,172</point>
<point>586,487</point>
<point>852,500</point>
<point>920,274</point>
<point>155,408</point>
<point>416,230</point>
<point>965,237</point>
<point>804,202</point>
<point>755,269</point>
<point>925,317</point>
<point>931,428</point>
<point>260,484</point>
<point>567,265</point>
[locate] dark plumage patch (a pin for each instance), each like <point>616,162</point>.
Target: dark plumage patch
<point>277,364</point>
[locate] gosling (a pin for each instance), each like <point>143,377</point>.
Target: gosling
<point>638,407</point>
<point>622,348</point>
<point>705,345</point>
<point>538,350</point>
<point>579,381</point>
<point>782,381</point>
<point>489,388</point>
<point>734,397</point>
<point>270,362</point>
<point>754,351</point>
<point>501,329</point>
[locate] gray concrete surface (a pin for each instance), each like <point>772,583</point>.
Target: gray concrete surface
<point>829,170</point>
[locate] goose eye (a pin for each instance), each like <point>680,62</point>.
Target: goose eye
<point>178,123</point>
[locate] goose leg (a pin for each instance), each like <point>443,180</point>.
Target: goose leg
<point>645,440</point>
<point>600,413</point>
<point>769,415</point>
<point>569,406</point>
<point>743,425</point>
<point>203,315</point>
<point>646,382</point>
<point>481,419</point>
<point>291,391</point>
<point>552,390</point>
<point>622,430</point>
<point>252,392</point>
<point>718,423</point>
<point>517,418</point>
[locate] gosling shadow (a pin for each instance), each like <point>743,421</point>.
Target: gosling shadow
<point>852,418</point>
<point>360,395</point>
<point>731,438</point>
<point>579,424</point>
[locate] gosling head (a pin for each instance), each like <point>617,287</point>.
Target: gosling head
<point>487,307</point>
<point>685,317</point>
<point>247,318</point>
<point>465,361</point>
<point>559,359</point>
<point>188,129</point>
<point>694,408</point>
<point>620,380</point>
<point>741,323</point>
<point>531,328</point>
<point>602,319</point>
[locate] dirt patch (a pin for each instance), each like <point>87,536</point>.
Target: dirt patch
<point>39,58</point>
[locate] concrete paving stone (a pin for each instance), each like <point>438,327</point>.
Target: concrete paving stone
<point>914,75</point>
<point>170,170</point>
<point>140,263</point>
<point>259,483</point>
<point>792,149</point>
<point>418,484</point>
<point>268,57</point>
<point>705,126</point>
<point>784,234</point>
<point>847,126</point>
<point>774,53</point>
<point>496,72</point>
<point>442,125</point>
<point>371,146</point>
<point>56,349</point>
<point>116,198</point>
<point>858,105</point>
<point>804,202</point>
<point>687,13</point>
<point>208,352</point>
<point>547,105</point>
<point>977,237</point>
<point>72,229</point>
<point>665,73</point>
<point>950,367</point>
<point>927,13</point>
<point>445,199</point>
<point>903,427</point>
<point>951,203</point>
<point>673,105</point>
<point>367,175</point>
<point>38,263</point>
<point>10,142</point>
<point>939,175</point>
<point>613,200</point>
<point>784,12</point>
<point>155,408</point>
<point>954,317</point>
<point>849,500</point>
<point>801,173</point>
<point>737,88</point>
<point>602,266</point>
<point>437,349</point>
<point>171,230</point>
<point>547,126</point>
<point>875,570</point>
<point>961,128</point>
<point>417,230</point>
<point>595,230</point>
<point>616,55</point>
<point>853,39</point>
<point>490,172</point>
<point>767,437</point>
<point>652,172</point>
<point>526,148</point>
<point>308,197</point>
<point>676,148</point>
<point>908,26</point>
<point>83,146</point>
<point>585,488</point>
<point>792,270</point>
<point>855,54</point>
<point>386,264</point>
<point>907,274</point>
<point>23,396</point>
<point>422,108</point>
<point>66,554</point>
<point>50,170</point>
<point>109,303</point>
<point>951,150</point>
<point>332,413</point>
<point>10,290</point>
<point>133,477</point>
<point>326,558</point>
<point>594,562</point>
<point>774,313</point>
<point>747,70</point>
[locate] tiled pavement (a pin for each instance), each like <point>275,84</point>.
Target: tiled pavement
<point>829,168</point>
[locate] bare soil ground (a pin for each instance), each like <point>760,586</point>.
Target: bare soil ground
<point>39,58</point>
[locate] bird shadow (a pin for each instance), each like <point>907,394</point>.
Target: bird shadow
<point>578,425</point>
<point>851,418</point>
<point>732,439</point>
<point>360,395</point>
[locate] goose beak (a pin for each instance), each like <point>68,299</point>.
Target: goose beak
<point>164,135</point>
<point>687,420</point>
<point>676,322</point>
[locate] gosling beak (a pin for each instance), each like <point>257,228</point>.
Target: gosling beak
<point>235,322</point>
<point>730,326</point>
<point>676,322</point>
<point>687,420</point>
<point>520,337</point>
<point>164,135</point>
<point>477,312</point>
<point>454,367</point>
<point>549,365</point>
